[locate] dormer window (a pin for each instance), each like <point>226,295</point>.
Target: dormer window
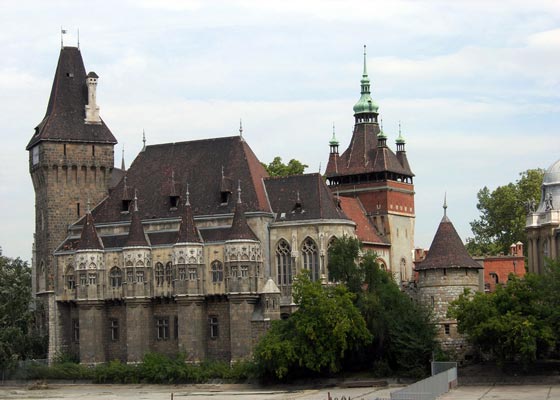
<point>298,208</point>
<point>69,74</point>
<point>224,197</point>
<point>125,207</point>
<point>174,202</point>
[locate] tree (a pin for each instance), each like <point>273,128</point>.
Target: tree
<point>17,338</point>
<point>404,336</point>
<point>317,336</point>
<point>503,214</point>
<point>518,322</point>
<point>278,168</point>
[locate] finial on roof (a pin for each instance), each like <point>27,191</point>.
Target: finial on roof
<point>222,172</point>
<point>78,38</point>
<point>144,139</point>
<point>88,210</point>
<point>62,32</point>
<point>135,200</point>
<point>298,200</point>
<point>334,141</point>
<point>400,139</point>
<point>319,167</point>
<point>381,134</point>
<point>239,191</point>
<point>241,128</point>
<point>445,204</point>
<point>188,201</point>
<point>365,63</point>
<point>123,166</point>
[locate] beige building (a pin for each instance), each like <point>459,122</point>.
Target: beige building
<point>543,222</point>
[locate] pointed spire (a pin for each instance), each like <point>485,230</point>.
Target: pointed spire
<point>400,139</point>
<point>445,219</point>
<point>239,191</point>
<point>89,240</point>
<point>365,105</point>
<point>381,137</point>
<point>143,140</point>
<point>239,227</point>
<point>123,166</point>
<point>240,128</point>
<point>136,235</point>
<point>188,232</point>
<point>365,74</point>
<point>333,141</point>
<point>78,38</point>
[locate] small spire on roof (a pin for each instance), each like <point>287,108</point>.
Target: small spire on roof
<point>144,139</point>
<point>123,166</point>
<point>88,210</point>
<point>78,38</point>
<point>62,32</point>
<point>239,191</point>
<point>445,205</point>
<point>298,200</point>
<point>222,172</point>
<point>135,200</point>
<point>365,63</point>
<point>187,201</point>
<point>240,128</point>
<point>319,167</point>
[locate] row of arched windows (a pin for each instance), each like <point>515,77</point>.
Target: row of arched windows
<point>310,259</point>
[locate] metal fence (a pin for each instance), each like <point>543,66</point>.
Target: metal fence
<point>443,379</point>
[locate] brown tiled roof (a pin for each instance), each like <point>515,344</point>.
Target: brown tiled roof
<point>64,119</point>
<point>240,230</point>
<point>161,238</point>
<point>401,156</point>
<point>198,163</point>
<point>447,250</point>
<point>363,155</point>
<point>89,239</point>
<point>316,201</point>
<point>188,233</point>
<point>365,230</point>
<point>136,235</point>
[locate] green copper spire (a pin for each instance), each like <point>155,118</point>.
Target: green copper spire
<point>400,139</point>
<point>381,134</point>
<point>366,103</point>
<point>333,141</point>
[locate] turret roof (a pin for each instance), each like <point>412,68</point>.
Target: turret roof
<point>136,235</point>
<point>89,239</point>
<point>188,232</point>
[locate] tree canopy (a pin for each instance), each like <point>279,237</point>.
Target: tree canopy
<point>317,336</point>
<point>520,321</point>
<point>503,214</point>
<point>278,168</point>
<point>17,338</point>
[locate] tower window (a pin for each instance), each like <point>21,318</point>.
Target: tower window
<point>447,329</point>
<point>125,205</point>
<point>224,197</point>
<point>114,330</point>
<point>213,325</point>
<point>162,328</point>
<point>174,201</point>
<point>78,209</point>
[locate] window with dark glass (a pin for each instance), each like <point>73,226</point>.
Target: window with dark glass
<point>192,274</point>
<point>244,271</point>
<point>83,279</point>
<point>114,325</point>
<point>284,263</point>
<point>130,275</point>
<point>447,328</point>
<point>234,271</point>
<point>213,325</point>
<point>70,279</point>
<point>76,330</point>
<point>162,328</point>
<point>115,277</point>
<point>140,276</point>
<point>217,271</point>
<point>176,327</point>
<point>168,269</point>
<point>310,258</point>
<point>160,274</point>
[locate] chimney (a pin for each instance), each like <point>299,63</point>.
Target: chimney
<point>92,109</point>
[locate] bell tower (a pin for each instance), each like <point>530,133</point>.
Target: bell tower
<point>70,161</point>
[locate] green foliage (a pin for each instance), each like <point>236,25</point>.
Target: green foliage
<point>18,340</point>
<point>518,322</point>
<point>317,336</point>
<point>278,168</point>
<point>503,214</point>
<point>343,254</point>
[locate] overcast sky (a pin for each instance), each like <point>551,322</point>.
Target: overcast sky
<point>475,83</point>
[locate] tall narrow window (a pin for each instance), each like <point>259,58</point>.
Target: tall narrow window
<point>78,209</point>
<point>244,271</point>
<point>92,278</point>
<point>176,327</point>
<point>213,325</point>
<point>76,330</point>
<point>114,325</point>
<point>116,277</point>
<point>284,263</point>
<point>168,273</point>
<point>140,276</point>
<point>193,274</point>
<point>310,258</point>
<point>217,271</point>
<point>83,279</point>
<point>447,329</point>
<point>159,274</point>
<point>129,275</point>
<point>93,150</point>
<point>70,279</point>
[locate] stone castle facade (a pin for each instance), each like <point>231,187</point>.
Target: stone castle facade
<point>180,254</point>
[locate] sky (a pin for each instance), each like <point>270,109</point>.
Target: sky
<point>475,85</point>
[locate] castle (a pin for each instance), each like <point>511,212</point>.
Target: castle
<point>194,248</point>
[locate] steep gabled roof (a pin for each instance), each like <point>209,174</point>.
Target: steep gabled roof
<point>447,250</point>
<point>188,232</point>
<point>240,230</point>
<point>89,239</point>
<point>365,230</point>
<point>64,119</point>
<point>198,162</point>
<point>136,235</point>
<point>302,197</point>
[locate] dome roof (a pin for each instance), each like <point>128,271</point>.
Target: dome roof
<point>552,174</point>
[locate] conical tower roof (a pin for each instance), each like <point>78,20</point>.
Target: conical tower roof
<point>65,116</point>
<point>240,230</point>
<point>89,239</point>
<point>136,235</point>
<point>447,249</point>
<point>188,232</point>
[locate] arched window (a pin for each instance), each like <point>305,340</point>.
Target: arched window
<point>310,258</point>
<point>115,277</point>
<point>168,272</point>
<point>217,271</point>
<point>403,269</point>
<point>494,277</point>
<point>70,278</point>
<point>284,263</point>
<point>159,272</point>
<point>382,264</point>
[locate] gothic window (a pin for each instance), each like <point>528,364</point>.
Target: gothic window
<point>234,271</point>
<point>403,269</point>
<point>168,270</point>
<point>217,271</point>
<point>130,275</point>
<point>162,328</point>
<point>76,330</point>
<point>382,264</point>
<point>494,277</point>
<point>192,274</point>
<point>310,258</point>
<point>284,263</point>
<point>70,279</point>
<point>159,274</point>
<point>139,276</point>
<point>92,278</point>
<point>114,326</point>
<point>244,271</point>
<point>115,277</point>
<point>182,272</point>
<point>83,279</point>
<point>213,325</point>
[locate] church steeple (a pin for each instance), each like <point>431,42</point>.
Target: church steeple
<point>333,143</point>
<point>365,110</point>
